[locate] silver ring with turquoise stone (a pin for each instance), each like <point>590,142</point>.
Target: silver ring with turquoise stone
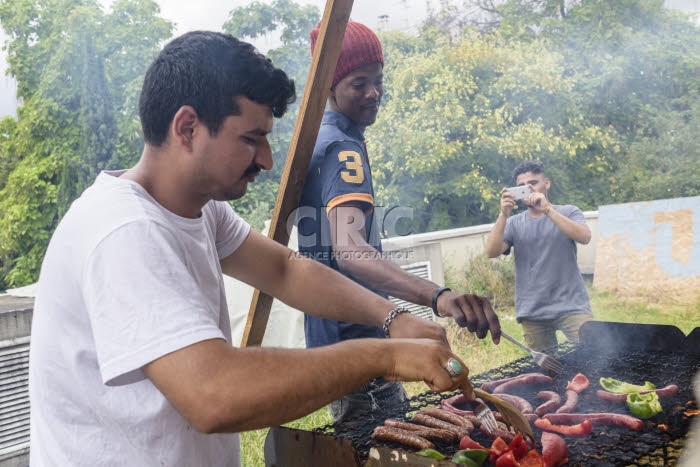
<point>453,367</point>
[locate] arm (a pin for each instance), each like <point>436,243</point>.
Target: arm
<point>361,260</point>
<point>495,245</point>
<point>577,232</point>
<point>219,388</point>
<point>317,290</point>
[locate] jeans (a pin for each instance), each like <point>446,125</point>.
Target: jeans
<point>541,334</point>
<point>375,396</point>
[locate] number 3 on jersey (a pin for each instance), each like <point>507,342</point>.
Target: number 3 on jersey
<point>353,162</point>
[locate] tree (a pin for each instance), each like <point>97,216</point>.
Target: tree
<point>292,23</point>
<point>456,121</point>
<point>74,83</point>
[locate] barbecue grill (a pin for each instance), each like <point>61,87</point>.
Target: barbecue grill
<point>629,352</point>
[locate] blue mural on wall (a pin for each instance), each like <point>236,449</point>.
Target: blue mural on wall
<point>651,225</point>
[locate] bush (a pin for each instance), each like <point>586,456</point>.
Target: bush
<point>492,278</point>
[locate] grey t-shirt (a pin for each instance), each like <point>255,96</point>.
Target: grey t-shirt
<point>548,283</point>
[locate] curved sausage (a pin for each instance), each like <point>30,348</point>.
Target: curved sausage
<point>433,434</point>
<point>397,435</point>
<point>449,417</point>
<point>502,432</point>
<point>553,402</point>
<point>449,405</point>
<point>598,419</point>
<point>489,386</point>
<point>518,402</point>
<point>570,403</point>
<point>433,422</point>
<point>669,391</point>
<point>524,380</point>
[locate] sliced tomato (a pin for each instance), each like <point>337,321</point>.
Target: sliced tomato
<point>579,383</point>
<point>507,459</point>
<point>498,447</point>
<point>532,459</point>
<point>467,443</point>
<point>582,429</point>
<point>518,446</point>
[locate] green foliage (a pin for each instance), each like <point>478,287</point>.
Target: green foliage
<point>78,70</point>
<point>606,94</point>
<point>456,121</point>
<point>491,278</point>
<point>292,23</point>
<point>27,204</point>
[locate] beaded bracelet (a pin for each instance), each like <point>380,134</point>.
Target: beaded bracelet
<point>392,314</point>
<point>437,293</point>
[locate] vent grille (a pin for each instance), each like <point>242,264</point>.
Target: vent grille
<point>14,394</point>
<point>422,270</point>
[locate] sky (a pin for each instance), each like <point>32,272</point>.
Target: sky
<point>211,14</point>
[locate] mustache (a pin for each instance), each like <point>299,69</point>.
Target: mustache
<point>253,170</point>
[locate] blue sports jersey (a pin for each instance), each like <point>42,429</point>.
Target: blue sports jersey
<point>339,172</point>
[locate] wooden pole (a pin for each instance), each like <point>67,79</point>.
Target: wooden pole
<point>318,84</point>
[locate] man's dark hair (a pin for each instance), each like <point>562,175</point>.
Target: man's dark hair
<point>536,167</point>
<point>207,70</point>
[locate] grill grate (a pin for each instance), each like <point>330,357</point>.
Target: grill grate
<point>606,446</point>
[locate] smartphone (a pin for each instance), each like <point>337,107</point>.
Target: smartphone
<point>520,192</point>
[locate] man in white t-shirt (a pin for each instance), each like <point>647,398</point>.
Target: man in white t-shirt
<point>131,359</point>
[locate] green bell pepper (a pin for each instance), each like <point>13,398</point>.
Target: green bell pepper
<point>470,457</point>
<point>431,453</point>
<point>620,387</point>
<point>644,405</point>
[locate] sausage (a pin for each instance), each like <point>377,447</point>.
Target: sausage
<point>433,434</point>
<point>436,434</point>
<point>503,432</point>
<point>598,419</point>
<point>397,435</point>
<point>518,402</point>
<point>554,450</point>
<point>433,422</point>
<point>571,402</point>
<point>449,417</point>
<point>669,391</point>
<point>553,402</point>
<point>450,404</point>
<point>524,380</point>
<point>489,386</point>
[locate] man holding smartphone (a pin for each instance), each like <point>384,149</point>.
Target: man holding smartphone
<point>549,291</point>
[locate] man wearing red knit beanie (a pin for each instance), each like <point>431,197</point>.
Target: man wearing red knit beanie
<point>337,226</point>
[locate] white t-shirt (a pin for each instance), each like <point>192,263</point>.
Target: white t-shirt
<point>124,282</point>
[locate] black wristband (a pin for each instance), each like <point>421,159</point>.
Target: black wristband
<point>437,293</point>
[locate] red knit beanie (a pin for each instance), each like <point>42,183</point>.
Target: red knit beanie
<point>360,47</point>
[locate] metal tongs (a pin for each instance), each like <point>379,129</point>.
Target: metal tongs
<point>544,361</point>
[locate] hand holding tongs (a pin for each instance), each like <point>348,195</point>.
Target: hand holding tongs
<point>545,362</point>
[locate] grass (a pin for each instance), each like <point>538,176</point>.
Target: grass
<point>482,355</point>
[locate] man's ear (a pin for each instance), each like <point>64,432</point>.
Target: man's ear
<point>547,184</point>
<point>183,126</point>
